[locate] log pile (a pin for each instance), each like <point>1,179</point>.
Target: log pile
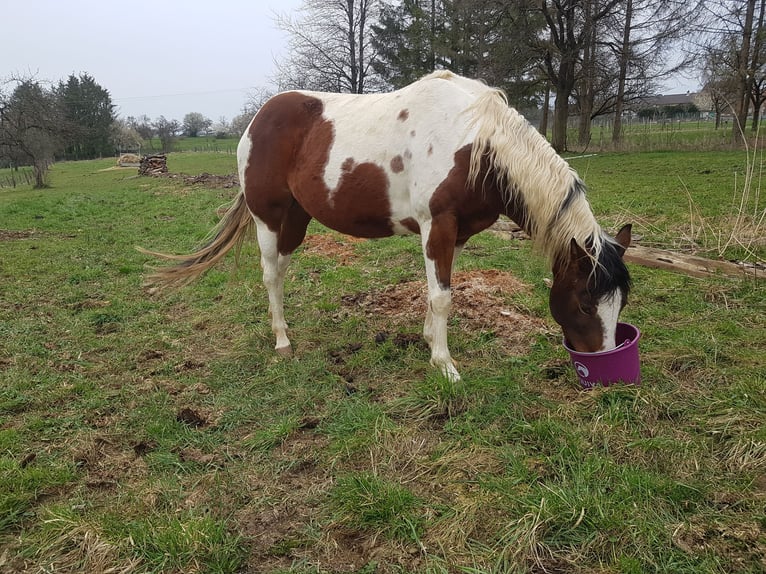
<point>153,164</point>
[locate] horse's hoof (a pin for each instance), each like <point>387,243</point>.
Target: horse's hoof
<point>449,371</point>
<point>285,351</point>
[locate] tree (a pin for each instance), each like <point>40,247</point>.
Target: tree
<point>167,131</point>
<point>470,37</point>
<point>31,127</point>
<point>222,128</point>
<point>240,122</point>
<point>143,125</point>
<point>330,46</point>
<point>89,113</point>
<point>647,31</point>
<point>735,46</point>
<point>124,137</point>
<point>570,27</point>
<point>406,41</point>
<point>195,123</point>
<point>745,63</point>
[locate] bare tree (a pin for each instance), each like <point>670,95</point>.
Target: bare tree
<point>735,30</point>
<point>167,131</point>
<point>195,123</point>
<point>758,67</point>
<point>649,32</point>
<point>143,125</point>
<point>566,20</point>
<point>744,61</point>
<point>31,127</point>
<point>719,84</point>
<point>330,46</point>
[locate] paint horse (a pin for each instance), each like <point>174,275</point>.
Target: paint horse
<point>442,158</point>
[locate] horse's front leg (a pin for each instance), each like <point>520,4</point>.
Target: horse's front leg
<point>439,251</point>
<point>428,325</point>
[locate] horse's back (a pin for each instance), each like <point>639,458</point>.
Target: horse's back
<point>364,164</point>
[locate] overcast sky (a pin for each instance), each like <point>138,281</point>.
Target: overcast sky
<point>166,57</point>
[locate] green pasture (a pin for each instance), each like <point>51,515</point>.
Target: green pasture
<point>201,144</point>
<point>159,432</point>
<point>638,135</point>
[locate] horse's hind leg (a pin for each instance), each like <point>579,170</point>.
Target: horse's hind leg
<point>276,250</point>
<point>274,268</point>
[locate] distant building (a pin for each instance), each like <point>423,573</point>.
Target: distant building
<point>660,101</point>
<point>688,106</point>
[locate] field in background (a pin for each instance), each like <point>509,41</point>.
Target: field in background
<point>160,433</point>
<point>643,136</point>
<point>661,135</point>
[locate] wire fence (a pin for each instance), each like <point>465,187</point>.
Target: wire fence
<point>15,177</point>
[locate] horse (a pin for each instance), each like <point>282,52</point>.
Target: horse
<point>443,157</point>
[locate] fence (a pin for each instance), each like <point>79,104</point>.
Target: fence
<point>15,177</point>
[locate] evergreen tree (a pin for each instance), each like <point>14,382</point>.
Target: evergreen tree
<point>405,40</point>
<point>469,37</point>
<point>89,115</point>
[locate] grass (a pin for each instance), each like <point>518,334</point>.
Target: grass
<point>141,433</point>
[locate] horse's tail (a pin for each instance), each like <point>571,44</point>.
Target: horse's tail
<point>230,232</point>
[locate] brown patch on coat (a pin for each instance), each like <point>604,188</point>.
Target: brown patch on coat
<point>460,211</point>
<point>283,124</point>
<point>357,206</point>
<point>403,115</point>
<point>284,178</point>
<point>397,164</point>
<point>411,224</point>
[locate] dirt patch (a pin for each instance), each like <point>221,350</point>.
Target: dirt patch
<point>340,248</point>
<point>108,461</point>
<point>14,235</point>
<point>278,529</point>
<point>480,302</point>
<point>209,180</point>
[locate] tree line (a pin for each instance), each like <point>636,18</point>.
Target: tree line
<point>75,120</point>
<point>555,59</point>
<point>70,120</point>
<point>590,58</point>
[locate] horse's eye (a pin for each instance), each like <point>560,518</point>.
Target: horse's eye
<point>587,309</point>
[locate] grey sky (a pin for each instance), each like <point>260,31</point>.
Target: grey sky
<point>162,57</point>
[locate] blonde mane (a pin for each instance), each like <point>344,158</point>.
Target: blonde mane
<point>525,163</point>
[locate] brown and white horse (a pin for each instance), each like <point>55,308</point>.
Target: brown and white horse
<point>443,158</point>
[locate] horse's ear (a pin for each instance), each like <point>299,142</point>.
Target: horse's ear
<point>623,238</point>
<point>581,256</point>
<point>575,251</point>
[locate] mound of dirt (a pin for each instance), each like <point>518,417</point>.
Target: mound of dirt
<point>209,180</point>
<point>479,301</point>
<point>480,298</point>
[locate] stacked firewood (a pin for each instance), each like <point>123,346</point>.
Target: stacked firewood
<point>153,164</point>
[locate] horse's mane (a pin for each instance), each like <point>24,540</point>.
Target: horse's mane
<point>524,163</point>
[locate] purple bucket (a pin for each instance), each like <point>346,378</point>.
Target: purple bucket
<point>620,364</point>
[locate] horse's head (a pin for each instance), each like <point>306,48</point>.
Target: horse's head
<point>587,296</point>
